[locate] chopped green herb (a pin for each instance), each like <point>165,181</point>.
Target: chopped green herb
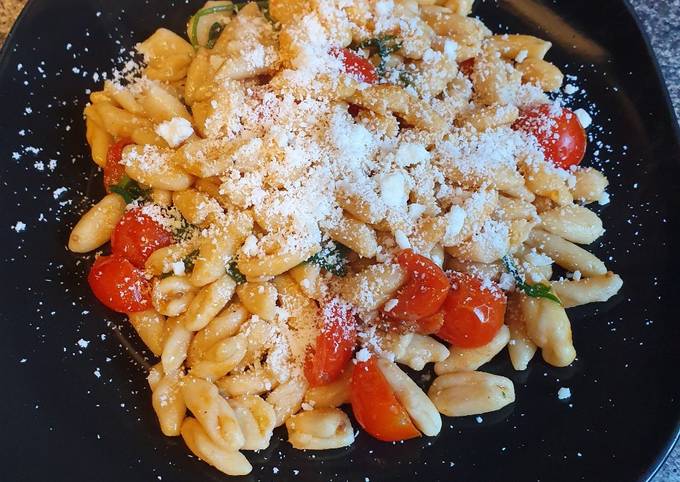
<point>332,258</point>
<point>535,291</point>
<point>214,33</point>
<point>382,47</point>
<point>230,7</point>
<point>184,231</point>
<point>405,78</point>
<point>232,270</point>
<point>189,261</point>
<point>130,190</point>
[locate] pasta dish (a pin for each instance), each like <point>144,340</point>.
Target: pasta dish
<point>305,196</point>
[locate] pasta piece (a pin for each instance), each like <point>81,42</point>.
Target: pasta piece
<point>287,398</point>
<point>420,351</point>
<point>371,288</point>
<point>574,223</point>
<point>419,407</point>
<point>544,74</point>
<point>167,55</point>
<point>547,325</point>
<point>520,346</point>
<point>226,461</point>
<point>253,382</point>
<point>259,299</point>
<point>177,339</point>
<point>150,326</point>
<point>514,46</point>
<point>155,167</point>
<point>256,419</point>
<point>213,413</point>
<point>320,429</point>
<point>331,394</point>
<point>196,207</point>
<point>470,359</point>
<point>356,235</point>
<point>566,254</point>
<point>224,325</point>
<point>171,296</point>
<point>97,225</point>
<point>274,264</point>
<point>221,358</point>
<point>98,139</point>
<point>590,185</point>
<point>167,400</point>
<point>461,394</point>
<point>208,302</point>
<point>160,104</point>
<point>308,276</point>
<point>587,290</point>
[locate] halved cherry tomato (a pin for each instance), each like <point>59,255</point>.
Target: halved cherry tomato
<point>559,134</point>
<point>119,285</point>
<point>136,236</point>
<point>467,66</point>
<point>114,170</point>
<point>334,345</point>
<point>424,291</point>
<point>431,324</point>
<point>356,65</point>
<point>472,313</point>
<point>375,406</point>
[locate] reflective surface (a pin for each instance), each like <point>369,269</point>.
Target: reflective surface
<point>76,403</point>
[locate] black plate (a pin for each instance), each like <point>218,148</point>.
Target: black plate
<point>84,413</point>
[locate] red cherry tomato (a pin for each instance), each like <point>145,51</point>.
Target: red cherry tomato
<point>136,236</point>
<point>114,170</point>
<point>356,65</point>
<point>375,406</point>
<point>424,291</point>
<point>119,285</point>
<point>472,313</point>
<point>334,346</point>
<point>430,324</point>
<point>467,66</point>
<point>559,134</point>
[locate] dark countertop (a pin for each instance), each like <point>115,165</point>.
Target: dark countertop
<point>661,20</point>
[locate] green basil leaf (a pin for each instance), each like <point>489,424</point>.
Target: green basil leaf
<point>332,258</point>
<point>535,291</point>
<point>214,33</point>
<point>130,190</point>
<point>233,271</point>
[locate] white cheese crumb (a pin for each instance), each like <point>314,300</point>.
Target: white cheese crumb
<point>178,268</point>
<point>604,199</point>
<point>175,131</point>
<point>455,219</point>
<point>570,89</point>
<point>402,240</point>
<point>97,373</point>
<point>58,192</point>
<point>363,355</point>
<point>584,118</point>
<point>521,56</point>
<point>393,190</point>
<point>19,227</point>
<point>83,343</point>
<point>563,393</point>
<point>479,419</point>
<point>577,275</point>
<point>390,304</point>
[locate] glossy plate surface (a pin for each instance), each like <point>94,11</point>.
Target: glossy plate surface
<point>76,405</point>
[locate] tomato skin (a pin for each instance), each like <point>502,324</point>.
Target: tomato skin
<point>467,66</point>
<point>431,324</point>
<point>375,406</point>
<point>334,346</point>
<point>136,236</point>
<point>113,169</point>
<point>465,304</point>
<point>356,65</point>
<point>560,135</point>
<point>119,285</point>
<point>424,291</point>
